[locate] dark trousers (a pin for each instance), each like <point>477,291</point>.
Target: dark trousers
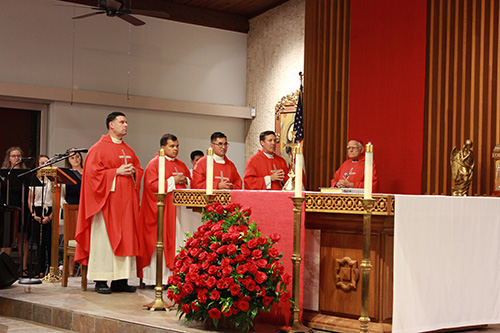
<point>41,235</point>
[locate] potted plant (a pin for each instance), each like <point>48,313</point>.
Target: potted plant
<point>227,271</point>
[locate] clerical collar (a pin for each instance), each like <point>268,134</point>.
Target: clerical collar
<point>218,159</point>
<point>169,158</point>
<point>115,140</point>
<point>268,155</point>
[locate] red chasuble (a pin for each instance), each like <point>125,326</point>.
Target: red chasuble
<point>258,166</point>
<point>227,171</point>
<point>354,171</point>
<point>120,208</point>
<point>149,213</point>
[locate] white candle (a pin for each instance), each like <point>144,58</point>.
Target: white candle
<point>210,171</point>
<point>299,165</point>
<point>161,172</point>
<point>368,171</point>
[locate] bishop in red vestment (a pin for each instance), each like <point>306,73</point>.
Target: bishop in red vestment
<point>226,176</point>
<point>265,170</point>
<point>351,173</point>
<point>106,230</point>
<point>177,176</point>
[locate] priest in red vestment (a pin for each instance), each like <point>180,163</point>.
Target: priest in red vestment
<point>226,176</point>
<point>106,231</point>
<point>265,170</point>
<point>351,173</point>
<point>177,176</point>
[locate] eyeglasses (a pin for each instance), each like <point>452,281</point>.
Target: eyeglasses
<point>15,156</point>
<point>220,144</point>
<point>352,147</point>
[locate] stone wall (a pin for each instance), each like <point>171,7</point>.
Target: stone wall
<point>275,58</point>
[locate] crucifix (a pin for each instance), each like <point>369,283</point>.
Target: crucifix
<point>125,162</point>
<point>176,172</point>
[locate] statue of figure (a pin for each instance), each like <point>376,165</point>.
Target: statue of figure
<point>462,168</point>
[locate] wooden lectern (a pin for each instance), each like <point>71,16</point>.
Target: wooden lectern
<point>58,176</point>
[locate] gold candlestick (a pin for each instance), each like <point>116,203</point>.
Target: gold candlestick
<point>158,304</point>
<point>296,325</point>
<point>366,264</point>
<point>209,198</point>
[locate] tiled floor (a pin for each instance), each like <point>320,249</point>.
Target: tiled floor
<point>51,308</point>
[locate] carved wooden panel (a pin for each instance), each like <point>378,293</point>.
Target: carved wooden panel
<point>347,273</point>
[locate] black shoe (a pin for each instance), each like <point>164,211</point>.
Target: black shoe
<point>101,287</point>
<point>121,285</point>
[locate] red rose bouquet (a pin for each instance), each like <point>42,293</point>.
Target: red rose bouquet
<point>227,270</point>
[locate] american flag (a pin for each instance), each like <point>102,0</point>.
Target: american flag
<point>298,126</point>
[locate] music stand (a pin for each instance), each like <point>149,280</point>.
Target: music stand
<point>21,176</point>
<point>58,176</point>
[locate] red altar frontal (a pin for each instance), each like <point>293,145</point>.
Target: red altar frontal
<point>332,243</point>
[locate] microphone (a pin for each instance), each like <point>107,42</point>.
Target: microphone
<point>27,158</point>
<point>77,150</point>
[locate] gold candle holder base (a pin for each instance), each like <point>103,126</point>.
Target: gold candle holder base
<point>158,304</point>
<point>366,265</point>
<point>53,276</point>
<point>209,198</point>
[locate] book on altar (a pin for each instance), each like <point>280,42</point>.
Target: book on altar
<point>341,190</point>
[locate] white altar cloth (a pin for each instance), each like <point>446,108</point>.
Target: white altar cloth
<point>446,262</point>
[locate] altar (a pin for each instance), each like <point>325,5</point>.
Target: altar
<point>435,260</point>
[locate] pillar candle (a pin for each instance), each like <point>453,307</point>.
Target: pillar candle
<point>210,171</point>
<point>299,165</point>
<point>161,172</point>
<point>368,171</point>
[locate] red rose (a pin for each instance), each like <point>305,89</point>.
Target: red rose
<point>210,208</point>
<point>230,207</point>
<point>262,263</point>
<point>226,238</point>
<point>205,265</point>
<point>262,240</point>
<point>241,269</point>
<point>257,254</point>
<point>227,270</point>
<point>247,211</point>
<point>202,297</point>
<point>212,270</point>
<point>182,254</point>
<point>266,300</point>
<point>218,234</point>
<point>243,305</point>
<point>252,268</point>
<point>214,313</point>
<point>235,308</point>
<point>227,313</point>
<point>251,285</point>
<point>231,249</point>
<point>170,294</point>
<point>194,252</point>
<point>275,237</point>
<point>226,262</point>
<point>186,308</point>
<point>187,288</point>
<point>220,284</point>
<point>284,297</point>
<point>218,208</point>
<point>273,253</point>
<point>234,289</point>
<point>244,250</point>
<point>211,281</point>
<point>252,243</point>
<point>203,255</point>
<point>214,295</point>
<point>194,306</point>
<point>287,278</point>
<point>212,257</point>
<point>260,277</point>
<point>240,258</point>
<point>214,246</point>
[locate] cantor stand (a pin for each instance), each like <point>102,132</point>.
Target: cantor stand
<point>296,325</point>
<point>158,304</point>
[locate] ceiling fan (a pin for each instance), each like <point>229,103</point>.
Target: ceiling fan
<point>117,8</point>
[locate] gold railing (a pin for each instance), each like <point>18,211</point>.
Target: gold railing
<point>315,201</point>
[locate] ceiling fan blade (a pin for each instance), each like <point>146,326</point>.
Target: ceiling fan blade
<point>152,13</point>
<point>87,15</point>
<point>130,19</point>
<point>114,4</point>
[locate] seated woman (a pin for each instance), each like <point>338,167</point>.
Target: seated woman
<point>351,173</point>
<point>71,193</point>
